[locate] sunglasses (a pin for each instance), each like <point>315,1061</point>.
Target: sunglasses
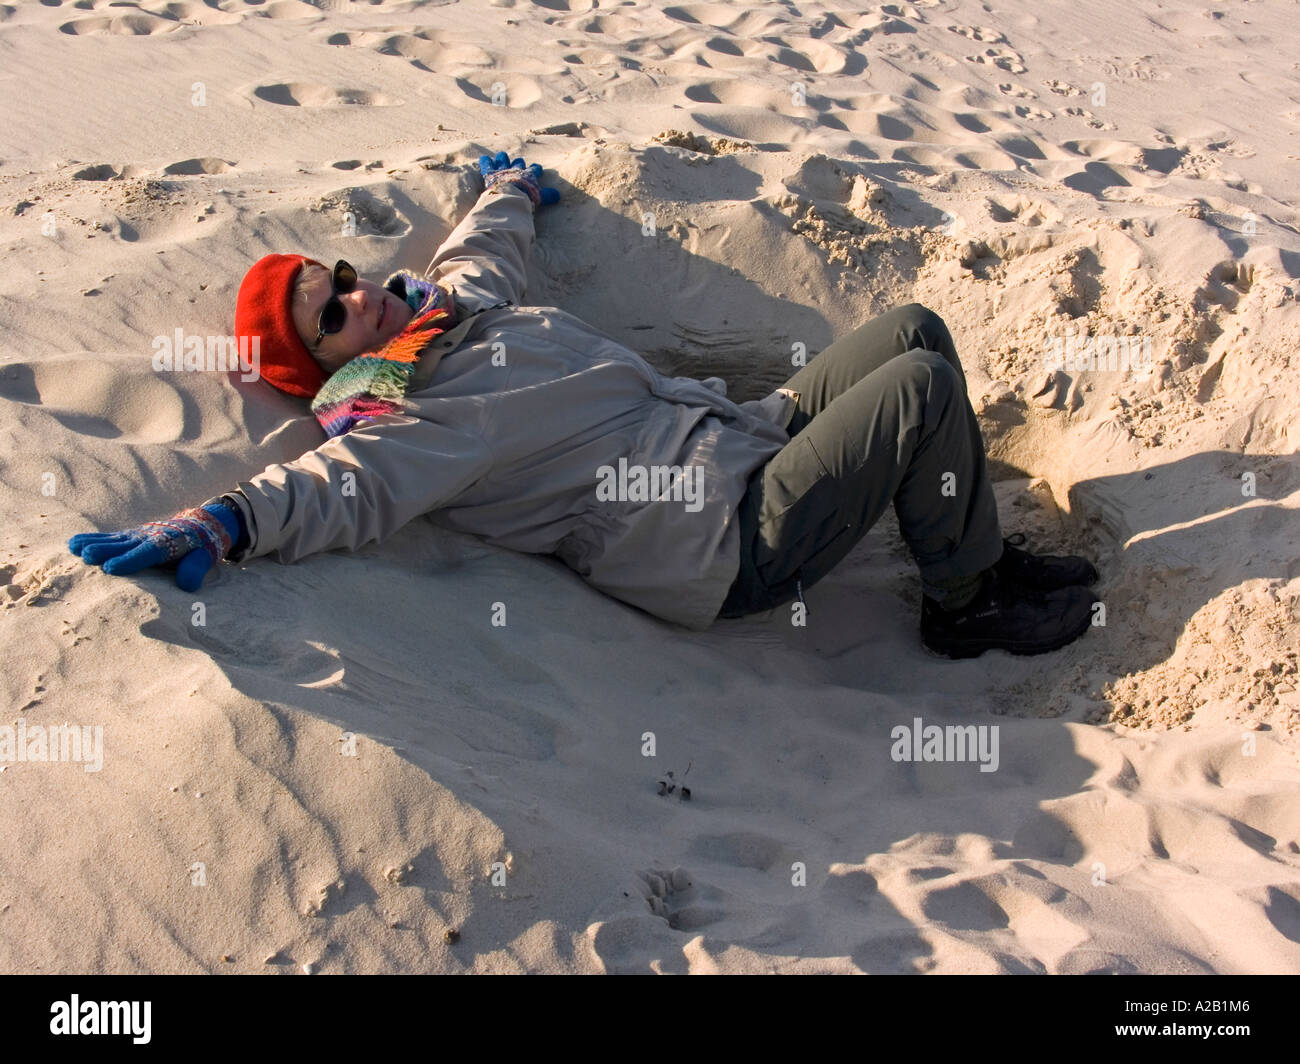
<point>334,315</point>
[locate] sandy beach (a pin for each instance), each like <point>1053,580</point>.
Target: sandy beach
<point>344,766</point>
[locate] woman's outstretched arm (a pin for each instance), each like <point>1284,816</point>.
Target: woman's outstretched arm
<point>355,489</point>
<point>358,488</point>
<point>485,258</point>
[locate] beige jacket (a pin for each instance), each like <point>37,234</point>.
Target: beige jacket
<point>509,418</point>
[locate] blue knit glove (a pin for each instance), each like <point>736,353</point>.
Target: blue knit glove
<point>196,539</point>
<point>498,170</point>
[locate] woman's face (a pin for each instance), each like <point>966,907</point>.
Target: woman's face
<point>375,316</point>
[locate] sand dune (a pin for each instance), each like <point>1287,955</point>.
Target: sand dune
<point>347,760</point>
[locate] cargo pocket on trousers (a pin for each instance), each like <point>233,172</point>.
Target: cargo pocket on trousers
<point>840,528</point>
<point>798,463</point>
<point>799,519</point>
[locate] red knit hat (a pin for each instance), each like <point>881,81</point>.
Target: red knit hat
<point>263,309</point>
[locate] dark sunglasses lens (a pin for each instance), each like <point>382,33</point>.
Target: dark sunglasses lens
<point>345,277</point>
<point>333,317</point>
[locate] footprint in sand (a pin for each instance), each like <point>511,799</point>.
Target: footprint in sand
<point>1135,69</point>
<point>201,165</point>
<point>829,24</point>
<point>966,905</point>
<point>1093,121</point>
<point>516,91</point>
<point>97,172</point>
<point>438,52</point>
<point>743,22</point>
<point>94,398</point>
<point>1010,88</point>
<point>829,47</point>
<point>894,953</point>
<point>768,116</point>
<point>138,24</point>
<point>309,94</point>
<point>1095,962</point>
<point>589,57</point>
<point>202,12</point>
<point>677,898</point>
<point>726,46</point>
<point>427,50</point>
<point>983,34</point>
<point>819,59</point>
<point>851,887</point>
<point>602,24</point>
<point>1226,284</point>
<point>1061,88</point>
<point>1004,59</point>
<point>283,9</point>
<point>758,43</point>
<point>1025,211</point>
<point>371,214</point>
<point>572,6</point>
<point>147,23</point>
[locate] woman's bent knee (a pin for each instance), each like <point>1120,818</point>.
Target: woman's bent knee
<point>930,369</point>
<point>925,321</point>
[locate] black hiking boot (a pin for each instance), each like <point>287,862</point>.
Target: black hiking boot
<point>1042,572</point>
<point>1008,616</point>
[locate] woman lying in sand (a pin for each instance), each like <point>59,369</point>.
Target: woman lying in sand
<point>528,427</point>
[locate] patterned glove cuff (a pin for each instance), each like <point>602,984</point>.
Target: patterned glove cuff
<point>496,182</point>
<point>198,528</point>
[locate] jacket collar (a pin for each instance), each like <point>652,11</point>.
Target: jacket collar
<point>444,345</point>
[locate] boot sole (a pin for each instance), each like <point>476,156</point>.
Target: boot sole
<point>973,648</point>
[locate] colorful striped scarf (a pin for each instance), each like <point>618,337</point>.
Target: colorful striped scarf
<point>375,383</point>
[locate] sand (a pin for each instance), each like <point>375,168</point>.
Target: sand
<point>347,766</point>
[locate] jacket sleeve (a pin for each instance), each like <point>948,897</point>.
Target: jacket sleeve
<point>485,259</point>
<point>399,466</point>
